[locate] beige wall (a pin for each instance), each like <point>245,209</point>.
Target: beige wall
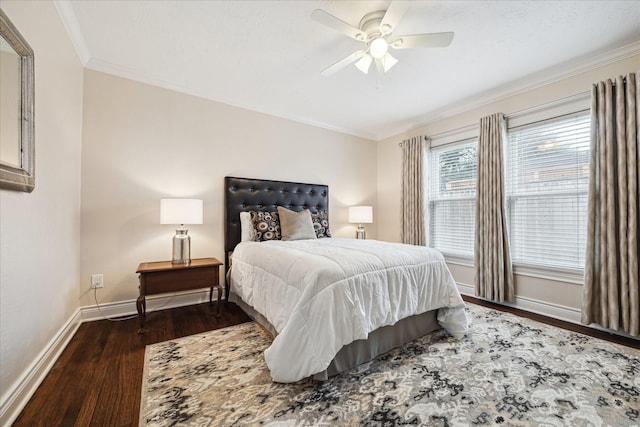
<point>142,143</point>
<point>136,144</point>
<point>40,231</point>
<point>548,292</point>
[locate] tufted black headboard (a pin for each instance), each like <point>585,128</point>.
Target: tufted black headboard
<point>246,194</point>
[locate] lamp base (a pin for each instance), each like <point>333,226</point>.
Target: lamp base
<point>360,233</point>
<point>181,247</point>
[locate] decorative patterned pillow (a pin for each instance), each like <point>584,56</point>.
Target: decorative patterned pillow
<point>266,225</point>
<point>321,224</point>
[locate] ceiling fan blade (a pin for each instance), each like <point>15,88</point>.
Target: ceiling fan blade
<point>343,63</point>
<point>393,15</point>
<point>331,21</point>
<point>422,40</point>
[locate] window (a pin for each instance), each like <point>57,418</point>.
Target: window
<point>547,183</point>
<point>547,180</point>
<point>452,197</point>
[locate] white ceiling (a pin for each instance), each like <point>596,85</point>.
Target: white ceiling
<point>267,55</point>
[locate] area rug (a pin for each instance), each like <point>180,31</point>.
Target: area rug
<point>507,371</point>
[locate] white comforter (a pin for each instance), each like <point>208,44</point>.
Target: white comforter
<point>323,294</point>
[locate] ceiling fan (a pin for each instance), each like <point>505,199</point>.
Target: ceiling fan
<point>375,30</point>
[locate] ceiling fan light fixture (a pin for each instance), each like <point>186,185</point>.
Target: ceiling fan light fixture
<point>364,63</point>
<point>388,61</point>
<point>378,47</point>
<point>376,29</point>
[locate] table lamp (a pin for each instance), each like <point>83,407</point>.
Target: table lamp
<point>360,215</point>
<point>181,212</point>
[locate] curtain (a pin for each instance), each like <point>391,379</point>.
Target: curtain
<point>492,259</point>
<point>610,294</point>
<point>412,204</point>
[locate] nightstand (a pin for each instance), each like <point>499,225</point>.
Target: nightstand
<point>164,276</point>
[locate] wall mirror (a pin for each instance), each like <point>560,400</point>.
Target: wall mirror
<point>17,142</point>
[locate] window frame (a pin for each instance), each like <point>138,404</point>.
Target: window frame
<point>549,272</point>
<point>451,141</point>
<point>569,105</point>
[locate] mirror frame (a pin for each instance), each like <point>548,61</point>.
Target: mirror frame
<point>21,178</point>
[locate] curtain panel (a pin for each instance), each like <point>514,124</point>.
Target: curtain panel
<point>611,288</point>
<point>492,258</point>
<point>412,199</point>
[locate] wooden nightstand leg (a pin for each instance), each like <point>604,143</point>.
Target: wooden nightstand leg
<point>219,288</point>
<point>211,299</point>
<point>141,305</point>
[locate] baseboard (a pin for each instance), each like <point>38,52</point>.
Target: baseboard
<point>20,392</point>
<point>119,309</point>
<point>15,399</point>
<point>556,311</point>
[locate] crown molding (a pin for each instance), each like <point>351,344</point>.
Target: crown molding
<point>70,22</point>
<point>135,75</point>
<point>534,81</point>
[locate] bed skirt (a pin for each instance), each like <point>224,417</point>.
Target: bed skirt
<point>379,341</point>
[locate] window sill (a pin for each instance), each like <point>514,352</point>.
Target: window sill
<point>458,260</point>
<point>566,275</point>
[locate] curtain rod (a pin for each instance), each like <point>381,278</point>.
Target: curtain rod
<point>613,81</point>
<point>462,129</point>
<point>582,96</point>
<point>424,137</point>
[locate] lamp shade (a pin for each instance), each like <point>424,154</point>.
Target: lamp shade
<point>180,211</point>
<point>361,214</point>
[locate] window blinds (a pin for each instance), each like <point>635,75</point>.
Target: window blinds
<point>547,177</point>
<point>452,192</point>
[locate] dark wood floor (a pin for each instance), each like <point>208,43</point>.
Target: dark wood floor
<point>97,379</point>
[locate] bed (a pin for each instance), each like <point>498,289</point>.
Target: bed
<point>331,304</point>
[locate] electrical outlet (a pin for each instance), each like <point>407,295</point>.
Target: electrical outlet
<point>97,281</point>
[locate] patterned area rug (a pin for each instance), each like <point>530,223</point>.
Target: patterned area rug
<point>508,371</point>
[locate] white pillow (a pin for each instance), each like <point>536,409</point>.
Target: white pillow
<point>247,233</point>
<point>296,225</point>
